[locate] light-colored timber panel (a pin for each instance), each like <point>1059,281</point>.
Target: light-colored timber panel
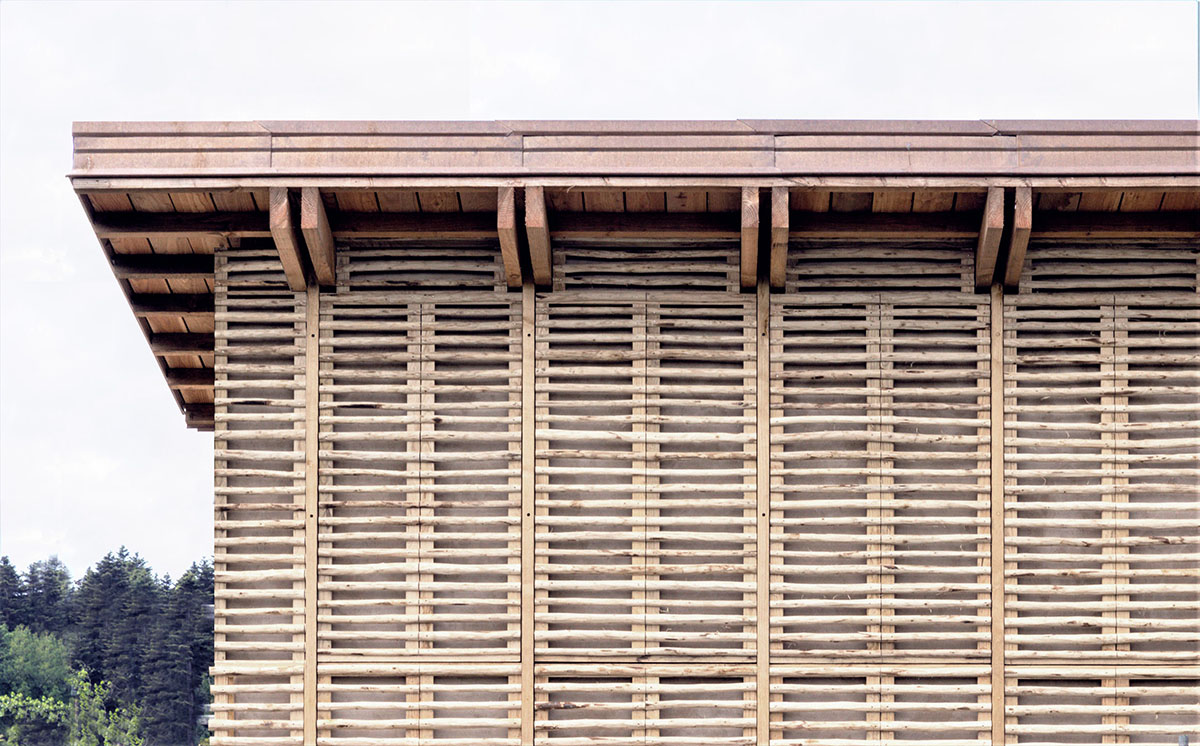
<point>422,510</point>
<point>857,705</point>
<point>1105,468</point>
<point>260,485</point>
<point>1091,704</point>
<point>645,494</point>
<point>880,362</point>
<point>406,704</point>
<point>617,704</point>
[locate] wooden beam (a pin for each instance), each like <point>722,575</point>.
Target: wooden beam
<point>506,229</point>
<point>1182,224</point>
<point>996,505</point>
<point>171,304</point>
<point>883,225</point>
<point>176,224</point>
<point>538,228</point>
<point>314,224</point>
<point>190,378</point>
<point>780,227</point>
<point>199,415</point>
<point>162,266</point>
<point>749,263</point>
<point>287,241</point>
<point>528,503</point>
<point>425,226</point>
<point>1021,220</point>
<point>312,400</point>
<point>990,229</point>
<point>762,564</point>
<point>192,343</point>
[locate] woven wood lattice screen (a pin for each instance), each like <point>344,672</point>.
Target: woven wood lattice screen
<point>644,507</point>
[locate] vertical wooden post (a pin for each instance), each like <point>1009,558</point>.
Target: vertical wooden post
<point>221,683</point>
<point>762,450</point>
<point>311,445</point>
<point>528,558</point>
<point>996,557</point>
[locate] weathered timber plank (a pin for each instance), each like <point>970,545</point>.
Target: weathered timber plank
<point>749,234</point>
<point>538,230</point>
<point>287,241</point>
<point>174,224</point>
<point>779,235</point>
<point>314,225</point>
<point>506,229</point>
<point>988,246</point>
<point>1018,237</point>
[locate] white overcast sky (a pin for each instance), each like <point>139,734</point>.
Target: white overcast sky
<point>93,452</point>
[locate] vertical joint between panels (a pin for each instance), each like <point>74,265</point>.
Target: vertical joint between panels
<point>762,400</point>
<point>528,319</point>
<point>311,450</point>
<point>996,555</point>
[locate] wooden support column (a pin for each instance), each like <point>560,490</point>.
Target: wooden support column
<point>528,554</point>
<point>506,230</point>
<point>314,224</point>
<point>990,230</point>
<point>779,235</point>
<point>749,263</point>
<point>538,228</point>
<point>311,447</point>
<point>287,240</point>
<point>996,556</point>
<point>1021,220</point>
<point>762,449</point>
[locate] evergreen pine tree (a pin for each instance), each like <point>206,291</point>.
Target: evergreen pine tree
<point>167,698</point>
<point>47,596</point>
<point>12,595</point>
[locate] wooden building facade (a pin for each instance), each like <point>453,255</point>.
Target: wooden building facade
<point>682,433</point>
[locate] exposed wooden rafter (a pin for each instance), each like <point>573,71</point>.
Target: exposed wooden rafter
<point>318,236</point>
<point>988,247</point>
<point>750,221</point>
<point>538,229</point>
<point>182,343</point>
<point>190,378</point>
<point>183,305</point>
<point>506,230</point>
<point>1021,222</point>
<point>286,237</point>
<point>162,266</point>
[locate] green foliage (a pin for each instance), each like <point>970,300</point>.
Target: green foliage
<point>142,644</point>
<point>94,724</point>
<point>33,665</point>
<point>12,595</point>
